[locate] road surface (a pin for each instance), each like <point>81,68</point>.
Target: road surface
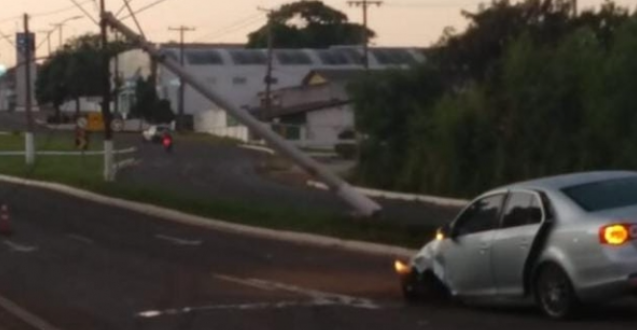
<point>226,172</point>
<point>80,265</point>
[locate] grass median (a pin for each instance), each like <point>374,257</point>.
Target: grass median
<point>85,172</point>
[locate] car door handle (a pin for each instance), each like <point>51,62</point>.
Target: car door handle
<point>484,248</point>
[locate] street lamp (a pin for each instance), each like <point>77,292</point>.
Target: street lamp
<point>60,27</point>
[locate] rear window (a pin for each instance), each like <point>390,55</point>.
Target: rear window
<point>604,195</point>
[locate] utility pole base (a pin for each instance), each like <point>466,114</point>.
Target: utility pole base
<point>109,163</point>
<point>29,148</point>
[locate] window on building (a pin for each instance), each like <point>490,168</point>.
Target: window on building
<point>203,57</point>
<point>239,80</point>
<point>293,57</point>
<point>331,57</point>
<point>393,56</point>
<point>248,57</point>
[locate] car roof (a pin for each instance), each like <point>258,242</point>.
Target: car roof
<point>566,180</point>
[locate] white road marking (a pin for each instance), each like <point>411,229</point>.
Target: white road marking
<point>242,282</point>
<point>20,248</point>
<point>318,298</point>
<point>179,241</point>
<point>80,238</point>
<point>25,316</point>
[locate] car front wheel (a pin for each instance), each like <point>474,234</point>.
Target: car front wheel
<point>554,293</point>
<point>423,287</point>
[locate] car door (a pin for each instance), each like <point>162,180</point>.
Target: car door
<point>521,222</point>
<point>466,256</point>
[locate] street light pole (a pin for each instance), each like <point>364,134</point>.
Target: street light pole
<point>109,173</point>
<point>182,88</point>
<point>60,27</point>
<point>29,139</point>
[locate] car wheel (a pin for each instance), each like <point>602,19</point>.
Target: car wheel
<point>423,287</point>
<point>554,293</point>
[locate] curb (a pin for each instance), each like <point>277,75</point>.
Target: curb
<point>441,201</point>
<point>198,221</point>
<point>257,148</point>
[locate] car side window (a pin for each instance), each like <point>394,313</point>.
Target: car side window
<point>480,216</point>
<point>522,209</point>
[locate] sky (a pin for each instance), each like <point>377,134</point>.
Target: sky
<point>397,22</point>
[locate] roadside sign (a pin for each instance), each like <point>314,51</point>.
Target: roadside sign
<point>82,122</point>
<point>117,125</point>
<point>95,122</point>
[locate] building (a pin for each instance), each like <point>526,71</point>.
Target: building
<point>7,91</point>
<point>239,75</point>
<point>317,113</point>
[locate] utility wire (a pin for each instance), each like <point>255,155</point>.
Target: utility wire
<point>44,14</point>
<point>132,14</point>
<point>7,38</point>
<point>232,29</point>
<point>86,13</point>
<point>232,25</point>
<point>143,9</point>
<point>123,7</point>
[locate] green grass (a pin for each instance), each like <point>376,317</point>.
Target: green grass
<point>86,172</point>
<point>47,142</point>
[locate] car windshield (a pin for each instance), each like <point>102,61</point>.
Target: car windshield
<point>604,195</point>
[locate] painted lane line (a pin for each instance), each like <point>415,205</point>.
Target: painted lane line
<point>240,281</point>
<point>80,238</point>
<point>179,241</point>
<point>19,247</point>
<point>248,307</point>
<point>25,316</point>
<point>318,297</point>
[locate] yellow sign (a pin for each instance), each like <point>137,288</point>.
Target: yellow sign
<point>95,122</point>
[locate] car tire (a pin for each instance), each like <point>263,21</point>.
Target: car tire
<point>423,287</point>
<point>554,293</point>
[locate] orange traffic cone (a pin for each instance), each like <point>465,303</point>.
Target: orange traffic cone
<point>5,221</point>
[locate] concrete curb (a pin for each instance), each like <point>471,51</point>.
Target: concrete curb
<point>400,196</point>
<point>192,220</point>
<point>257,148</point>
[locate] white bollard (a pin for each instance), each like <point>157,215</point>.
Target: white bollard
<point>29,148</point>
<point>109,169</point>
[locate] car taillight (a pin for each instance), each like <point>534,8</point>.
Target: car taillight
<point>617,234</point>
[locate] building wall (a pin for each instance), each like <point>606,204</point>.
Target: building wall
<point>324,126</point>
<point>237,83</point>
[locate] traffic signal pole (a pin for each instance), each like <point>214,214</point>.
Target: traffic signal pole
<point>363,205</point>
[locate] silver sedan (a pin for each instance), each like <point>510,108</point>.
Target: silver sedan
<point>561,242</point>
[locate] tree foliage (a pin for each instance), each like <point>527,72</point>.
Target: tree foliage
<point>309,24</point>
<point>528,90</point>
<point>73,71</point>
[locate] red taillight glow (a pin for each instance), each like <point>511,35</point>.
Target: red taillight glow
<point>617,234</point>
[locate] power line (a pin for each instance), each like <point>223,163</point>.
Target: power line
<point>143,9</point>
<point>226,31</point>
<point>232,25</point>
<point>86,13</point>
<point>123,7</point>
<point>130,11</point>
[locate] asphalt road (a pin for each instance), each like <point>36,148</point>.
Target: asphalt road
<point>227,172</point>
<point>81,265</point>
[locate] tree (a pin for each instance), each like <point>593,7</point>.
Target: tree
<point>73,71</point>
<point>309,24</point>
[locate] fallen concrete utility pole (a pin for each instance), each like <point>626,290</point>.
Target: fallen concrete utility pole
<point>364,205</point>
